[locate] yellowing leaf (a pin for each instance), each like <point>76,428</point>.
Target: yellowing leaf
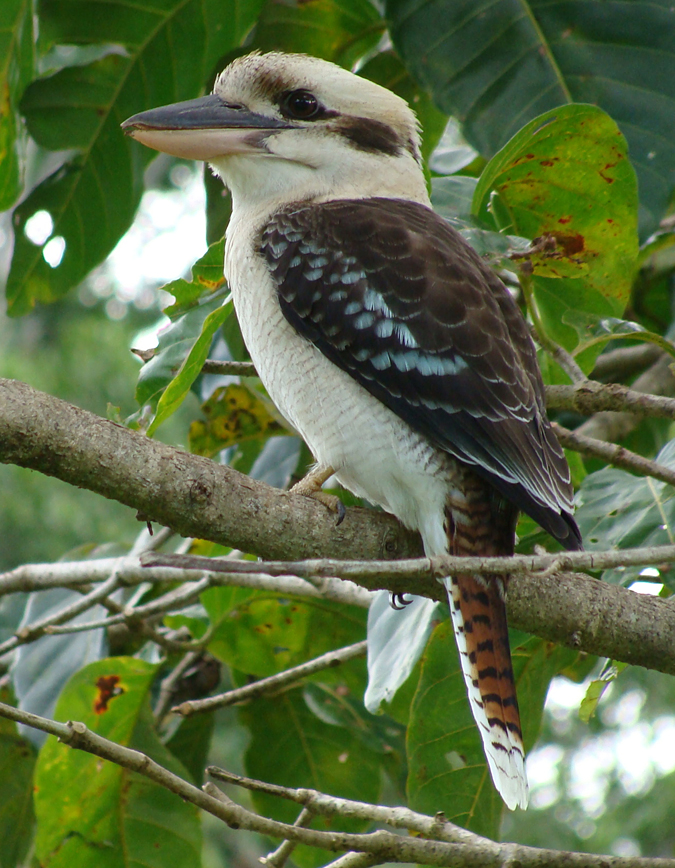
<point>234,414</point>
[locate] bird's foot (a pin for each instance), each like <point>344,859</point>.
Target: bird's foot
<point>398,601</point>
<point>310,486</point>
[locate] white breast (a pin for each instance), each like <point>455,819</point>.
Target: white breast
<point>374,453</point>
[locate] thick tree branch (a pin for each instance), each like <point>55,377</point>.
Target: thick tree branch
<point>198,497</point>
<point>190,494</point>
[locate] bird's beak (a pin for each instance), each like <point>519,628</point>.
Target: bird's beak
<point>202,129</point>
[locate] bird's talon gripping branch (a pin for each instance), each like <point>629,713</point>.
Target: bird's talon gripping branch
<point>398,601</point>
<point>310,486</point>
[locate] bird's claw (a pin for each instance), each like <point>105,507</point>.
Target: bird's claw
<point>310,486</point>
<point>398,602</point>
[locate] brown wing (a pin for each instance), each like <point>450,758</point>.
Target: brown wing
<point>392,294</point>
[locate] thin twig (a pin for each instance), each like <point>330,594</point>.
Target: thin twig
<point>625,361</point>
<point>438,567</point>
<point>174,599</point>
<point>354,860</point>
<point>235,369</point>
<point>437,827</point>
<point>273,682</point>
<point>657,380</point>
<point>386,846</point>
<point>593,397</point>
<point>614,454</point>
<point>34,631</point>
<point>168,684</point>
<point>279,857</point>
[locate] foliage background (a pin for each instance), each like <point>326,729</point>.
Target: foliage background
<point>71,71</point>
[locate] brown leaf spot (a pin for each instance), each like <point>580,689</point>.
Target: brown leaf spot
<point>546,163</point>
<point>570,244</point>
<point>107,690</point>
<point>606,178</point>
<point>564,219</point>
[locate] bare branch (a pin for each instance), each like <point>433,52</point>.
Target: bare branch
<point>385,846</point>
<point>194,496</point>
<point>613,454</point>
<point>279,857</point>
<point>592,397</point>
<point>626,361</point>
<point>611,426</point>
<point>236,369</point>
<point>273,682</point>
<point>354,860</point>
<point>437,827</point>
<point>38,628</point>
<point>416,569</point>
<point>40,577</point>
<point>568,608</point>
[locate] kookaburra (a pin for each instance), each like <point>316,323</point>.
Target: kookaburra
<point>381,336</point>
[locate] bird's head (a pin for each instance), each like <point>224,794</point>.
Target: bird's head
<point>290,127</point>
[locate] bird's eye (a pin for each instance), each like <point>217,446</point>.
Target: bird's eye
<point>300,104</point>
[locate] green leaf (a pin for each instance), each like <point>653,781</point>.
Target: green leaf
<point>453,153</point>
<point>234,414</point>
<point>207,277</point>
<point>174,394</point>
<point>191,742</point>
<point>616,510</point>
<point>176,341</point>
<point>17,761</point>
<point>338,30</point>
<point>593,330</point>
<point>17,63</point>
<point>184,344</point>
<point>497,67</point>
<point>597,687</point>
<point>447,766</point>
<point>261,633</point>
<point>291,746</point>
<point>92,198</point>
<point>95,813</point>
<point>566,175</point>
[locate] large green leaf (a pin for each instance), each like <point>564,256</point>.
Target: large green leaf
<point>16,70</point>
<point>95,813</point>
<point>261,633</point>
<point>291,746</point>
<point>447,767</point>
<point>338,30</point>
<point>497,65</point>
<point>17,760</point>
<point>616,510</point>
<point>566,175</point>
<point>92,199</point>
